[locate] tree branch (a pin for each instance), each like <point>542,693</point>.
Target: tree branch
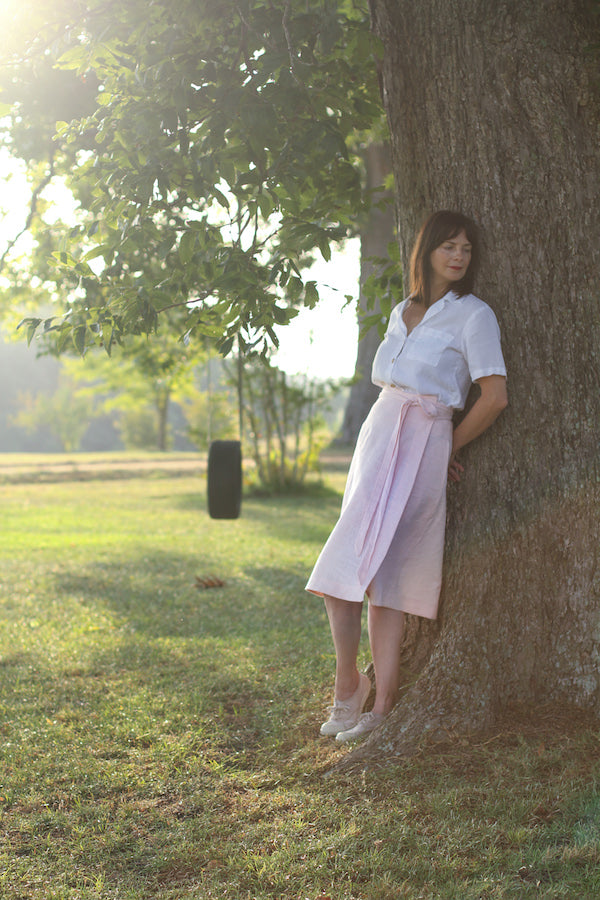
<point>290,46</point>
<point>32,211</point>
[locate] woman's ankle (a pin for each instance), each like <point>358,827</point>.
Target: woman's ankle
<point>384,705</point>
<point>346,687</point>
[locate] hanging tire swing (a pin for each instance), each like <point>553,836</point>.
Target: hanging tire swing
<point>225,467</point>
<point>225,479</point>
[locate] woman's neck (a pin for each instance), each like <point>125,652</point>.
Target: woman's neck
<point>437,289</point>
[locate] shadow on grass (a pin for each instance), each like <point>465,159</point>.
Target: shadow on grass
<point>213,666</point>
<point>159,598</point>
<point>286,517</point>
<point>306,495</point>
<point>230,652</point>
<point>319,491</point>
<point>296,522</point>
<point>150,768</point>
<point>16,660</point>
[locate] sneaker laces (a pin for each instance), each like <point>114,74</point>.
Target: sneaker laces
<point>339,706</point>
<point>369,717</point>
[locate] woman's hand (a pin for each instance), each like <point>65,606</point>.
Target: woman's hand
<point>455,469</point>
<point>484,411</point>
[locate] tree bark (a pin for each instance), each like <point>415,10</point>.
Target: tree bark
<point>375,236</point>
<point>494,110</point>
<point>162,398</point>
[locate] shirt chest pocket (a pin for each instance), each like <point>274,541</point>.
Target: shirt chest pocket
<point>427,344</point>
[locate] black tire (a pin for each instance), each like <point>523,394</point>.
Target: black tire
<point>225,479</point>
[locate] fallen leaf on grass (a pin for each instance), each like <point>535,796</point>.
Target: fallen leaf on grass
<point>209,581</point>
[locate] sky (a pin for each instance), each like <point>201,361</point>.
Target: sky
<point>320,343</point>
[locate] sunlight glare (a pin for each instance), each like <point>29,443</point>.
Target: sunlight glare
<point>322,342</point>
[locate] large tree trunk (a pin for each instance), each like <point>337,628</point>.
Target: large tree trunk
<point>376,234</point>
<point>494,110</point>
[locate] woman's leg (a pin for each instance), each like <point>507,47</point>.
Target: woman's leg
<point>345,623</point>
<point>386,629</point>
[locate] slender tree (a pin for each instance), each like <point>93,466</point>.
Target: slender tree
<point>377,232</point>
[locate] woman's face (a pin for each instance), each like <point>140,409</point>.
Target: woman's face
<point>450,261</point>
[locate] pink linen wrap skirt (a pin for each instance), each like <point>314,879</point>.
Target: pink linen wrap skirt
<point>389,540</point>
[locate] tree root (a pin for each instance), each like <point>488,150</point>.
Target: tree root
<point>418,721</point>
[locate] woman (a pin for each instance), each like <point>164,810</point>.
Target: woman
<point>388,542</point>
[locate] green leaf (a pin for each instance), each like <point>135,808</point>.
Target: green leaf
<point>294,288</point>
<point>393,249</point>
<point>75,58</point>
<point>78,336</point>
<point>324,248</point>
<point>94,253</point>
<point>108,331</point>
<point>272,335</point>
<point>226,346</point>
<point>186,246</point>
<point>265,205</point>
<point>386,305</point>
<point>32,326</point>
<point>275,270</point>
<point>367,322</point>
<point>280,315</point>
<point>311,294</point>
<point>221,198</point>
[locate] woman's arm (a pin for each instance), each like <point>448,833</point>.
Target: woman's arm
<point>484,411</point>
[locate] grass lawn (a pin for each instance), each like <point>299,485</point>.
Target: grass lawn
<point>160,741</point>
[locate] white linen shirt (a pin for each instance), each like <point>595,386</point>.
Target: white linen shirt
<point>456,342</point>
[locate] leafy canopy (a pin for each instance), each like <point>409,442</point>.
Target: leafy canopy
<point>207,144</point>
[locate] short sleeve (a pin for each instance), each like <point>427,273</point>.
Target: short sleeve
<point>481,344</point>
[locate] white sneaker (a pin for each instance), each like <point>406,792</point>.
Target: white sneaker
<point>366,723</point>
<point>345,713</point>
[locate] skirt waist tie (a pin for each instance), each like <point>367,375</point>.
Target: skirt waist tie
<point>367,536</point>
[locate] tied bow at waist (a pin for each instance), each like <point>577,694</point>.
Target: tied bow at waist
<point>392,466</point>
<point>428,403</point>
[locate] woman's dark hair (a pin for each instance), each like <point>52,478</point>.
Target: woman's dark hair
<point>440,227</point>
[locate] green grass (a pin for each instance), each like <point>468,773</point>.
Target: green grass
<point>158,741</point>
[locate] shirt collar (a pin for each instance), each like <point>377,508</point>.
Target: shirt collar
<point>438,306</point>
